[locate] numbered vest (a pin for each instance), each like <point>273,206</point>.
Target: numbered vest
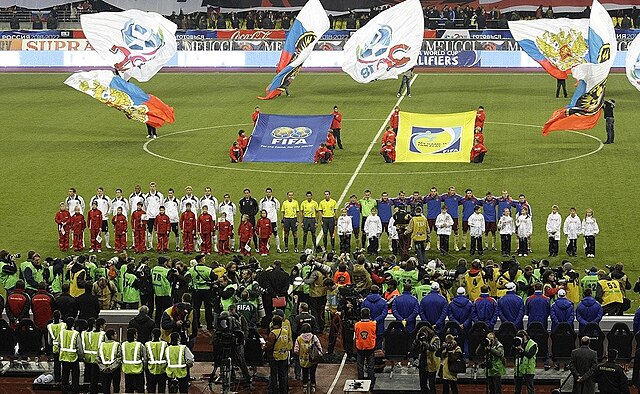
<point>131,358</point>
<point>473,284</point>
<point>156,360</point>
<point>420,228</point>
<point>161,285</point>
<point>129,293</point>
<point>282,346</point>
<point>610,291</point>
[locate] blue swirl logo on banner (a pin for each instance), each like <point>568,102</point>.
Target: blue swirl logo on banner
<point>435,140</point>
<point>287,138</point>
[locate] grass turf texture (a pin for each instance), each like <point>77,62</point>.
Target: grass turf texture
<point>54,137</point>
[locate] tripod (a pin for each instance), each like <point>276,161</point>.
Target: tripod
<point>226,372</point>
<point>487,360</point>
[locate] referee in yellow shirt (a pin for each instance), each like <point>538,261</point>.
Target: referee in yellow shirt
<point>328,208</point>
<point>290,218</point>
<point>309,209</point>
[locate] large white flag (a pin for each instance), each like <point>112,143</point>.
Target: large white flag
<point>633,62</point>
<point>137,43</point>
<point>387,45</point>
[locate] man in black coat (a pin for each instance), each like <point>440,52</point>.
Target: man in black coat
<point>584,362</point>
<point>143,324</point>
<point>275,281</point>
<point>88,304</point>
<point>66,304</point>
<point>610,376</point>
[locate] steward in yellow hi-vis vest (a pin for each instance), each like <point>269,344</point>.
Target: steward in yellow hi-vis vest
<point>91,341</point>
<point>109,362</point>
<point>179,358</point>
<point>53,330</point>
<point>608,293</point>
<point>156,363</point>
<point>70,354</point>
<point>133,355</point>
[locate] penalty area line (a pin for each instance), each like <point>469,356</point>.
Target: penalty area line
<point>367,152</point>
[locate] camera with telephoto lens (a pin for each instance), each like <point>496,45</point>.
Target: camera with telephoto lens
<point>12,257</point>
<point>517,342</point>
<point>485,342</point>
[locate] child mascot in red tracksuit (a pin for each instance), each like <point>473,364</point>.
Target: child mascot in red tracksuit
<point>162,226</point>
<point>78,225</point>
<point>388,151</point>
<point>265,229</point>
<point>206,229</point>
<point>245,232</point>
<point>63,219</point>
<point>120,227</point>
<point>224,233</point>
<point>139,227</point>
<point>188,225</point>
<point>95,226</point>
<point>235,152</point>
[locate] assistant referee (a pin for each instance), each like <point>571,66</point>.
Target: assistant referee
<point>290,218</point>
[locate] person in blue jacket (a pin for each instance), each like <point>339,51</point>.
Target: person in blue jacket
<point>538,307</point>
<point>433,308</point>
<point>562,310</point>
<point>406,308</point>
<point>460,311</point>
<point>589,311</point>
<point>378,307</point>
<point>511,307</point>
<point>485,308</point>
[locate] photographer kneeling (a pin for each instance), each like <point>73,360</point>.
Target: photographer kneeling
<point>525,361</point>
<point>494,362</point>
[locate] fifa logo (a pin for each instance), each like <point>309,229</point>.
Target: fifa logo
<point>290,136</point>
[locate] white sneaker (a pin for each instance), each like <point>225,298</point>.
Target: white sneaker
<point>90,250</point>
<point>148,136</point>
<point>108,246</point>
<point>398,95</point>
<point>155,136</point>
<point>457,249</point>
<point>408,95</point>
<point>279,250</point>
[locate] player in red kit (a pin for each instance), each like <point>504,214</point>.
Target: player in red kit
<point>389,135</point>
<point>63,219</point>
<point>120,227</point>
<point>264,233</point>
<point>242,140</point>
<point>139,226</point>
<point>323,155</point>
<point>331,141</point>
<point>206,228</point>
<point>162,225</point>
<point>224,233</point>
<point>245,232</point>
<point>395,119</point>
<point>254,115</point>
<point>78,225</point>
<point>188,225</point>
<point>478,151</point>
<point>388,152</point>
<point>480,116</point>
<point>235,152</point>
<point>336,125</point>
<point>95,226</point>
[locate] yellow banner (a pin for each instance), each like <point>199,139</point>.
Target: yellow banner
<point>435,137</point>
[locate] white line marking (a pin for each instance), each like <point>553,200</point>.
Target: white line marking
<point>366,154</point>
<point>335,380</point>
<point>484,169</point>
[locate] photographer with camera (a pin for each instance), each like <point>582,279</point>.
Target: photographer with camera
<point>178,318</point>
<point>525,282</point>
<point>609,294</point>
<point>494,362</point>
<point>349,303</point>
<point>317,291</point>
<point>525,350</point>
<point>617,273</point>
<point>9,274</point>
<point>32,272</point>
<point>277,349</point>
<point>202,279</point>
<point>425,345</point>
<point>228,344</point>
<point>450,355</point>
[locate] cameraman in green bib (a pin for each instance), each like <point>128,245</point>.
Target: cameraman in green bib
<point>201,279</point>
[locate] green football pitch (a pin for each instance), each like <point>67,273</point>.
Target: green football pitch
<point>54,138</point>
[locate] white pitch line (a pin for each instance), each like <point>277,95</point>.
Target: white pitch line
<point>335,380</point>
<point>366,154</point>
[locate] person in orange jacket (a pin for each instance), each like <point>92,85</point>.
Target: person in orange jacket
<point>63,220</point>
<point>388,151</point>
<point>242,140</point>
<point>263,225</point>
<point>235,152</point>
<point>323,155</point>
<point>389,135</point>
<point>245,233</point>
<point>331,141</point>
<point>120,227</point>
<point>78,225</point>
<point>478,151</point>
